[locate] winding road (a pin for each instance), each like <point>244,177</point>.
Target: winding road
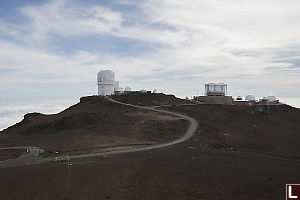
<point>32,157</point>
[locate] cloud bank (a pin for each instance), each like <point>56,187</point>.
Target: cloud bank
<point>174,46</point>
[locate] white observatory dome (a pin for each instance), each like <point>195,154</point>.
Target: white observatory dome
<point>106,76</point>
<point>127,89</point>
<point>106,82</point>
<point>271,98</point>
<point>250,98</point>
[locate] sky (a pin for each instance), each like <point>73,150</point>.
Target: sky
<point>51,50</point>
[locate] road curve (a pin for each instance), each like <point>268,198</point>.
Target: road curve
<point>28,160</point>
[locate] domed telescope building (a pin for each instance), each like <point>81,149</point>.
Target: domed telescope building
<point>106,82</point>
<point>127,90</point>
<point>271,98</point>
<point>250,97</point>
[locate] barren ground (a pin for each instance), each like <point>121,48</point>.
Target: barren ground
<point>236,153</point>
<point>150,99</point>
<point>91,126</point>
<point>10,153</point>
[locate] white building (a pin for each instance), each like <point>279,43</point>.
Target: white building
<point>106,82</point>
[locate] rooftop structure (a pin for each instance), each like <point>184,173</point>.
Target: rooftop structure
<point>215,94</point>
<point>271,98</point>
<point>250,98</point>
<point>215,89</point>
<point>239,98</point>
<point>117,88</point>
<point>127,89</point>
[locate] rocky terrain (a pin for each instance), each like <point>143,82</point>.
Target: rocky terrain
<point>150,99</point>
<point>10,153</point>
<point>90,125</point>
<point>236,153</point>
<point>270,130</point>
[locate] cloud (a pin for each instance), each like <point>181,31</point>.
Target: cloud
<point>56,17</point>
<point>244,43</point>
<point>55,49</point>
<point>62,18</point>
<point>10,115</point>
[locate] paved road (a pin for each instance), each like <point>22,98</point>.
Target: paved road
<point>33,158</point>
<point>30,150</point>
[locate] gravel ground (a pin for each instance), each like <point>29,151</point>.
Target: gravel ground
<point>236,153</point>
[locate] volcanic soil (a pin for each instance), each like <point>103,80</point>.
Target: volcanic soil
<point>150,99</point>
<point>94,124</point>
<point>236,153</point>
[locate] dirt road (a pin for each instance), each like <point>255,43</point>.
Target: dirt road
<point>32,156</point>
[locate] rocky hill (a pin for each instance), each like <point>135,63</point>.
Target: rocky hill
<point>237,152</point>
<point>91,122</point>
<point>150,99</point>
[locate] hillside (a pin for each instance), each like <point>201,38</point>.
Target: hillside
<point>236,153</point>
<point>150,99</point>
<point>92,122</point>
<point>270,130</point>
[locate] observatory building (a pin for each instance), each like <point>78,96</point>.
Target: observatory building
<point>271,98</point>
<point>117,88</point>
<point>215,94</point>
<point>106,82</point>
<point>250,97</point>
<point>215,89</point>
<point>249,101</point>
<point>127,90</point>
